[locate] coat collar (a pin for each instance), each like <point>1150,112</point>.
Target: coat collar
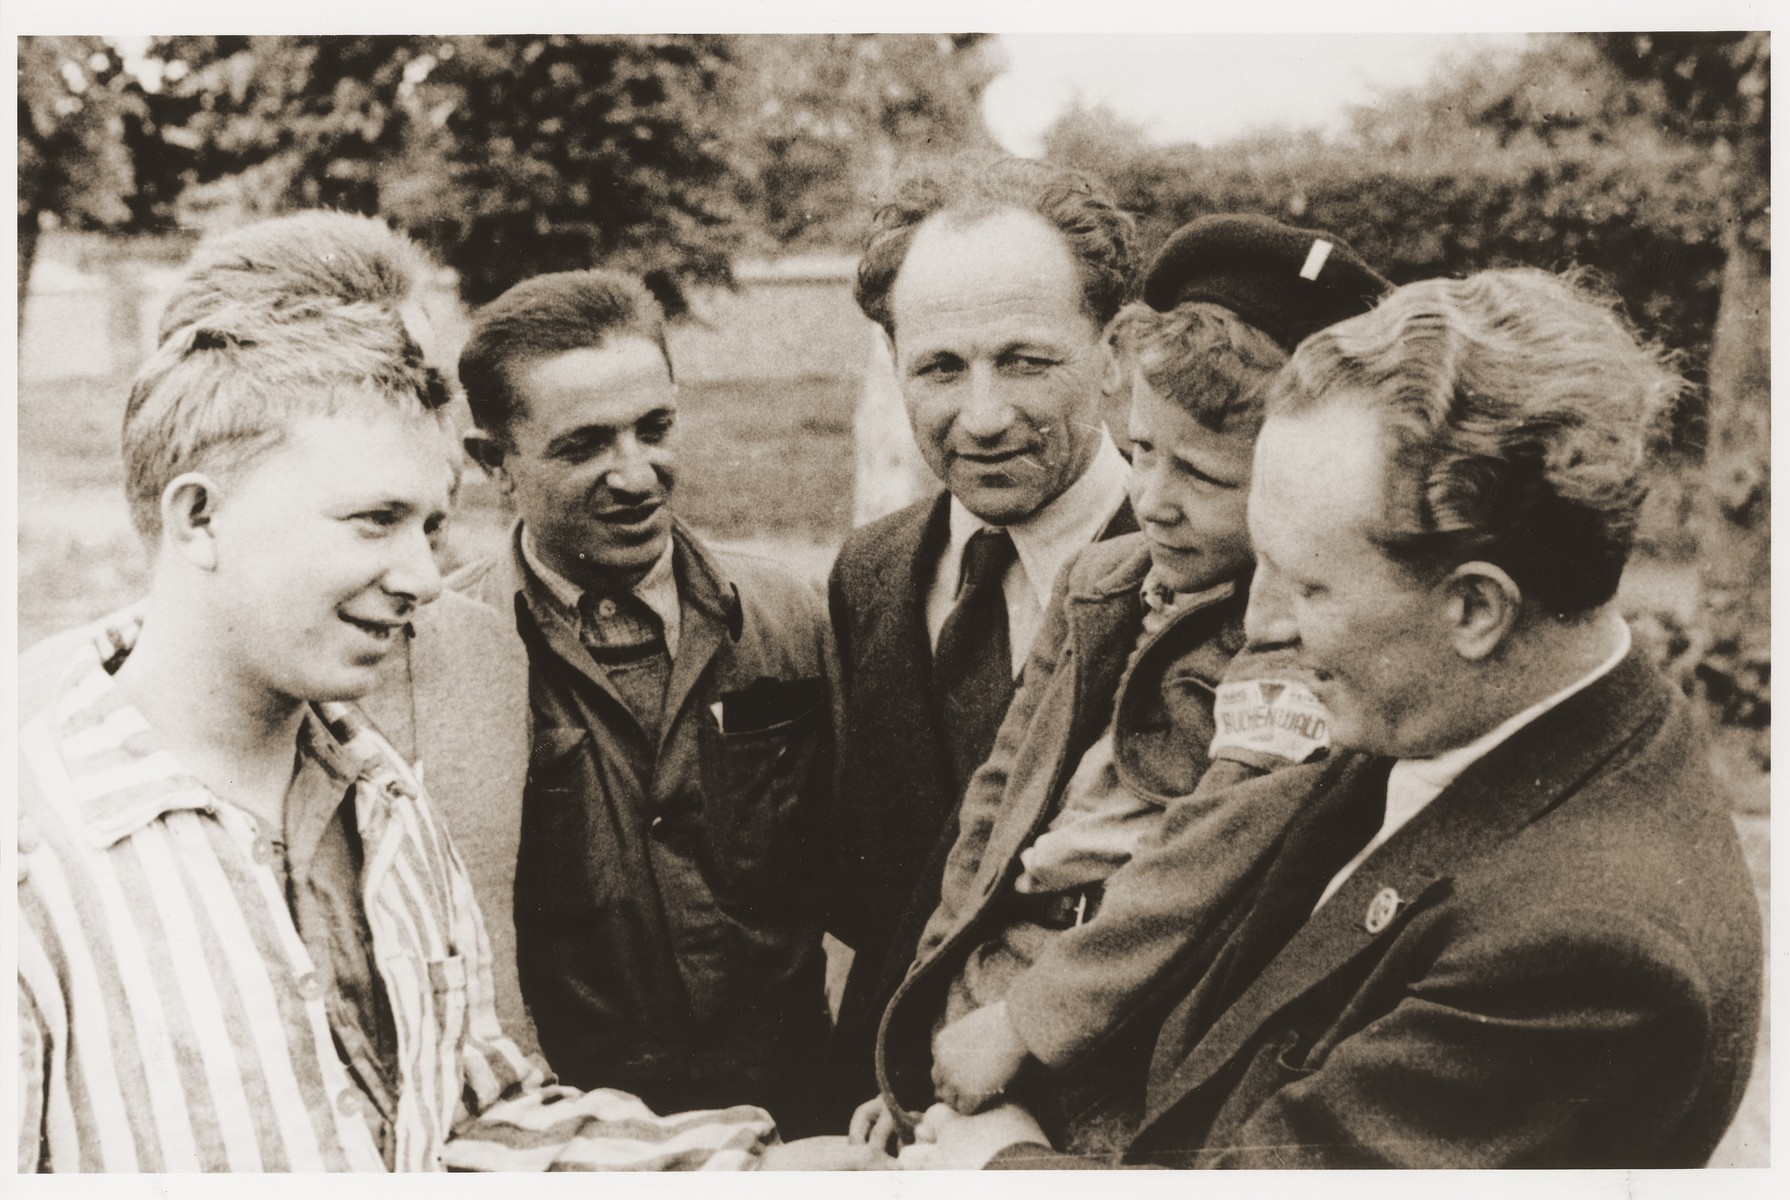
<point>701,581</point>
<point>708,594</point>
<point>1519,781</point>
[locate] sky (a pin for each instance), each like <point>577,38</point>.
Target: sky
<point>1206,87</point>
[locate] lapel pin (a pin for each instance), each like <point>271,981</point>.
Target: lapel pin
<point>1381,910</point>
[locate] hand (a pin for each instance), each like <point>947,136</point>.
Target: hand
<point>823,1154</point>
<point>873,1125</point>
<point>949,1141</point>
<point>976,1057</point>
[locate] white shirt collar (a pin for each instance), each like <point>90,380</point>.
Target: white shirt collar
<point>657,589</point>
<point>1415,782</point>
<point>1055,533</point>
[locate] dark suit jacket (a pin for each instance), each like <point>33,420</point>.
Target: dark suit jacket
<point>1570,976</point>
<point>897,798</point>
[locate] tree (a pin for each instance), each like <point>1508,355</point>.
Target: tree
<point>821,121</point>
<point>285,122</point>
<point>1713,90</point>
<point>74,165</point>
<point>548,153</point>
<point>510,155</point>
<point>516,155</point>
<point>1094,138</point>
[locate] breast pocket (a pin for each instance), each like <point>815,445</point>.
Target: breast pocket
<point>568,834</point>
<point>764,759</point>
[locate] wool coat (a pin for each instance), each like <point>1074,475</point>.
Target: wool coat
<point>1556,963</point>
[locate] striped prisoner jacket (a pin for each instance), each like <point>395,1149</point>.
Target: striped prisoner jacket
<point>170,1018</point>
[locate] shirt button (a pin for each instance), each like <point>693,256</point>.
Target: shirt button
<point>605,607</point>
<point>140,744</point>
<point>349,1102</point>
<point>263,850</point>
<point>310,986</point>
<point>656,824</point>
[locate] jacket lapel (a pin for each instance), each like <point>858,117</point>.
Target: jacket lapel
<point>1103,624</point>
<point>711,611</point>
<point>899,627</point>
<point>1517,782</point>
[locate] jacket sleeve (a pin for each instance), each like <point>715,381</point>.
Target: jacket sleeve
<point>1528,1027</point>
<point>1170,904</point>
<point>513,1117</point>
<point>982,800</point>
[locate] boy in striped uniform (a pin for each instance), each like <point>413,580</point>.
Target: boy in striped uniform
<point>246,941</point>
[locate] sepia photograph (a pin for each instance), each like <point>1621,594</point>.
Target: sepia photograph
<point>910,601</point>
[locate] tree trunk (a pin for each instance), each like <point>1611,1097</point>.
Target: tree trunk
<point>890,473</point>
<point>27,254</point>
<point>1735,535</point>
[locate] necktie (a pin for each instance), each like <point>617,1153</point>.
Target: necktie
<point>1316,848</point>
<point>973,663</point>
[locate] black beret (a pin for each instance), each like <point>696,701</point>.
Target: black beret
<point>1287,282</point>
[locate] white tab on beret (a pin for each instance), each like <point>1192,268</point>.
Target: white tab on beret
<point>1315,260</point>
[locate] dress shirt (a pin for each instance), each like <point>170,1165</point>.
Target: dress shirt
<point>657,590</point>
<point>1045,541</point>
<point>1414,782</point>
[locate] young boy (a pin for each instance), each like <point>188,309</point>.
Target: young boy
<point>246,942</point>
<point>1066,903</point>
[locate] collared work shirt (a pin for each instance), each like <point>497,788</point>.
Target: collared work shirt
<point>320,857</point>
<point>657,590</point>
<point>171,1017</point>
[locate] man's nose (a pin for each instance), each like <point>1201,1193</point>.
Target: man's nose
<point>631,470</point>
<point>1268,622</point>
<point>985,414</point>
<point>414,573</point>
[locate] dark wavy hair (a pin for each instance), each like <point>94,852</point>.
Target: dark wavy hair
<point>547,316</point>
<point>1518,409</point>
<point>1101,236</point>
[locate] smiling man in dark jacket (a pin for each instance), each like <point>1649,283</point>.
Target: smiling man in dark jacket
<point>666,923</point>
<point>992,277</point>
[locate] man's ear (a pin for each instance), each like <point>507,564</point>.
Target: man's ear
<point>1485,604</point>
<point>1115,380</point>
<point>189,503</point>
<point>488,451</point>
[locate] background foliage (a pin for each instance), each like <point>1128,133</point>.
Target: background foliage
<point>1643,157</point>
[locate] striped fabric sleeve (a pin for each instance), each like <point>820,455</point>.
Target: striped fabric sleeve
<point>31,1083</point>
<point>514,1118</point>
